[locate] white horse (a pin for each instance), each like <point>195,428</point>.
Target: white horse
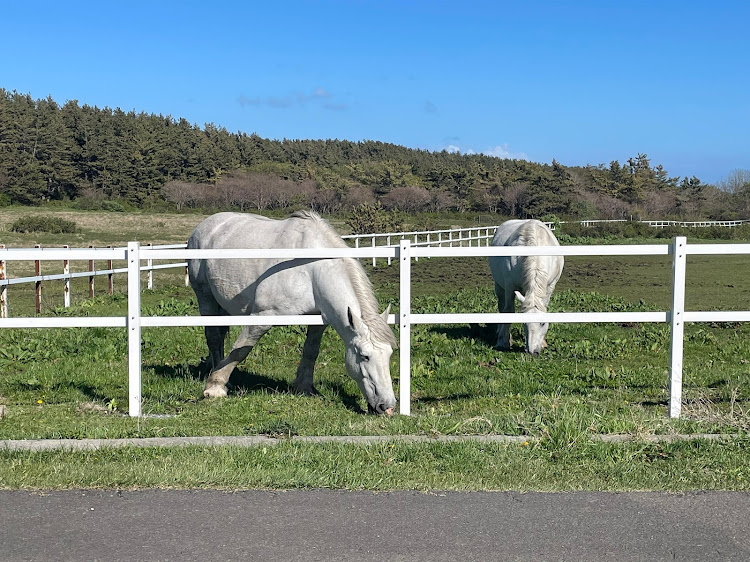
<point>530,278</point>
<point>338,289</point>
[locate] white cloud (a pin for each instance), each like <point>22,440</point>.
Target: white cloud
<point>321,93</point>
<point>500,151</point>
<point>503,151</point>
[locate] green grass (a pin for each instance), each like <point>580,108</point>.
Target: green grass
<point>596,378</point>
<point>593,379</point>
<point>388,466</point>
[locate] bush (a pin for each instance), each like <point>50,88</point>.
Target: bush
<point>367,219</point>
<point>40,223</point>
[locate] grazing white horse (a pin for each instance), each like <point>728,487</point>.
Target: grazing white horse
<point>338,289</point>
<point>531,279</point>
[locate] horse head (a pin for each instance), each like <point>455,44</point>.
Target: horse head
<point>368,362</point>
<point>535,332</point>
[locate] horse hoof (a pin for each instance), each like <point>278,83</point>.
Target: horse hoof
<point>307,391</point>
<point>216,391</point>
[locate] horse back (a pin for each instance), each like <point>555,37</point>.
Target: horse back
<point>243,285</point>
<point>512,272</point>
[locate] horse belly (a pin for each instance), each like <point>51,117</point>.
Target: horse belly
<point>260,286</point>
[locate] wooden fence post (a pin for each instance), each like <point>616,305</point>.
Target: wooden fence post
<point>3,291</point>
<point>38,288</point>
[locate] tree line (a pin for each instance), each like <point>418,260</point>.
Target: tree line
<point>107,158</point>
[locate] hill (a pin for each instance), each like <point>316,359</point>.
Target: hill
<point>109,159</point>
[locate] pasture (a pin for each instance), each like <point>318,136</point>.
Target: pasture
<point>592,380</point>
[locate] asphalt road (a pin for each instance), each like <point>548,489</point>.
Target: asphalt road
<point>336,525</point>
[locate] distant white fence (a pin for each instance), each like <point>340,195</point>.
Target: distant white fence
<point>134,322</point>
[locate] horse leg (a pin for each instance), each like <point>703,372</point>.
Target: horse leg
<point>215,338</point>
<point>215,335</point>
<point>304,381</point>
<point>503,305</point>
<point>216,384</point>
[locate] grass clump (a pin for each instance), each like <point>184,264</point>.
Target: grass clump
<point>44,223</point>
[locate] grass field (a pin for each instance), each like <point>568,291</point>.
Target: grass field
<point>593,379</point>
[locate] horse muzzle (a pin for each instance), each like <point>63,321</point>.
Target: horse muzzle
<point>380,409</point>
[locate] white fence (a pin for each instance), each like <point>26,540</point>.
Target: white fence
<point>134,254</point>
<point>468,236</point>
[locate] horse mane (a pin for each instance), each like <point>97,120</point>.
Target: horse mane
<point>534,274</point>
<point>361,284</point>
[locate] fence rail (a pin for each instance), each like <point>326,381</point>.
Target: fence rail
<point>134,255</point>
<point>474,236</point>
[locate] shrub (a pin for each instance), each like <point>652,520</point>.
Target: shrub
<point>40,223</point>
<point>367,218</point>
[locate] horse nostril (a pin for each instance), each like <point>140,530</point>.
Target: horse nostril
<point>379,409</point>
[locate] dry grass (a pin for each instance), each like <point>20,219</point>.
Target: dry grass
<point>702,407</point>
<point>100,228</point>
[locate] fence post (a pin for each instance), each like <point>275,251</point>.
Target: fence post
<point>150,264</point>
<point>38,287</point>
<point>374,263</point>
<point>66,286</point>
<point>3,291</point>
<point>110,277</point>
<point>404,327</point>
<point>677,325</point>
<point>91,278</point>
<point>388,243</point>
<point>134,329</point>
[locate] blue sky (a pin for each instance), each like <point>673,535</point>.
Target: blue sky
<point>582,82</point>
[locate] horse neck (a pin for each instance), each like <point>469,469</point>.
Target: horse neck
<point>335,295</point>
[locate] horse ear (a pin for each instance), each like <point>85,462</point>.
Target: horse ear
<point>386,312</point>
<point>520,297</point>
<point>355,323</point>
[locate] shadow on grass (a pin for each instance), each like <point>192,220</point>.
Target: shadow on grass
<point>248,381</point>
<point>484,334</point>
<point>61,390</point>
